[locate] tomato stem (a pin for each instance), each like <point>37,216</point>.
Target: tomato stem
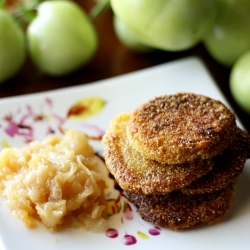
<point>28,13</point>
<point>100,6</point>
<point>24,13</point>
<point>2,4</point>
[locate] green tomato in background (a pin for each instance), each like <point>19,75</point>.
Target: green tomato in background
<point>12,46</point>
<point>172,25</point>
<point>128,38</point>
<point>61,38</point>
<point>229,37</point>
<point>240,81</point>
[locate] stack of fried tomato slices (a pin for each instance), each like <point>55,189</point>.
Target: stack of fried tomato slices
<point>178,158</point>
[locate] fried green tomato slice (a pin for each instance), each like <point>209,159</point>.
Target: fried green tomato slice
<point>135,173</point>
<point>227,166</point>
<point>182,127</point>
<point>182,211</point>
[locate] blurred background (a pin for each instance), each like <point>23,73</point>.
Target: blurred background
<point>112,58</point>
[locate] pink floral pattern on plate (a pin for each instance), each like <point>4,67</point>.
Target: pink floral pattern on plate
<point>27,123</point>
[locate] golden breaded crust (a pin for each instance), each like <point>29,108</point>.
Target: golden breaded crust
<point>182,127</point>
<point>182,211</point>
<point>135,173</point>
<point>227,167</point>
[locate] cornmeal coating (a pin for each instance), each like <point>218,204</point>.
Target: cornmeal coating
<point>227,166</point>
<point>135,173</point>
<point>182,211</point>
<point>183,127</point>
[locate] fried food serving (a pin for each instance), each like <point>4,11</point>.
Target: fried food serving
<point>135,173</point>
<point>181,211</point>
<point>53,181</point>
<point>178,159</point>
<point>183,127</point>
<point>227,167</point>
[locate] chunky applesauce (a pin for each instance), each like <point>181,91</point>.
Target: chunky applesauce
<point>56,181</point>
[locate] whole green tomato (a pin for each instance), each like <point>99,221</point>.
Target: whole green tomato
<point>172,25</point>
<point>61,38</point>
<point>128,38</point>
<point>240,81</point>
<point>12,46</point>
<point>229,37</point>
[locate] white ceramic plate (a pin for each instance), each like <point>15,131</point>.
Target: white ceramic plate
<point>29,117</point>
